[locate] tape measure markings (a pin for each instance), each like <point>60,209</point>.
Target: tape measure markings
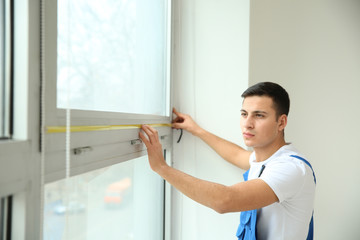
<point>62,129</point>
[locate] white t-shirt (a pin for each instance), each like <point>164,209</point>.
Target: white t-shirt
<point>293,183</point>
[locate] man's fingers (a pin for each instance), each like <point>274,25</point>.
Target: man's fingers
<point>151,133</point>
<point>149,130</point>
<point>144,139</point>
<point>178,120</point>
<point>175,112</point>
<point>178,114</point>
<point>175,125</point>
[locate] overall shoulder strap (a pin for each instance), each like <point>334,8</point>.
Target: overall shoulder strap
<point>311,225</point>
<point>307,163</point>
<point>246,175</point>
<point>247,226</point>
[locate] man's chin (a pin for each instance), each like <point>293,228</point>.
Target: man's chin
<point>249,144</point>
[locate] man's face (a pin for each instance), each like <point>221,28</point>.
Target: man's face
<point>259,123</point>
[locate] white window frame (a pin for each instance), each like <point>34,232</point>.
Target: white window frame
<point>19,169</point>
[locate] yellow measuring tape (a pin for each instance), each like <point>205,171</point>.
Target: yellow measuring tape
<point>62,129</point>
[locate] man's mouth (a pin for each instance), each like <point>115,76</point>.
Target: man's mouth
<point>248,135</point>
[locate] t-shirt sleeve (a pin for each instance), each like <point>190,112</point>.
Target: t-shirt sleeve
<point>284,178</point>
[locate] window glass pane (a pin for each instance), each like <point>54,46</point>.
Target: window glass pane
<point>124,201</point>
<point>112,55</point>
<point>2,65</point>
<point>5,65</point>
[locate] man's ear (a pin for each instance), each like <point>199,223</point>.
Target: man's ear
<point>282,121</point>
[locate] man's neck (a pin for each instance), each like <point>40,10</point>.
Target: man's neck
<point>263,153</point>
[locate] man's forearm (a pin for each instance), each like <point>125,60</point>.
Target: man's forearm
<point>226,149</point>
<point>204,192</point>
<point>243,196</point>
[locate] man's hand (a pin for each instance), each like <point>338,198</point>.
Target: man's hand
<point>185,122</point>
<point>227,150</point>
<point>154,148</point>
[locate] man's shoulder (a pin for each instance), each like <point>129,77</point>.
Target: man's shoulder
<point>287,152</point>
<point>291,163</point>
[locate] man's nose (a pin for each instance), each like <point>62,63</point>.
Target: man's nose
<point>248,122</point>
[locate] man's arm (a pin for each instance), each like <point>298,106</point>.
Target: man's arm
<point>227,150</point>
<point>242,196</point>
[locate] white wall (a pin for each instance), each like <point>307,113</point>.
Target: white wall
<point>312,48</point>
<point>211,72</point>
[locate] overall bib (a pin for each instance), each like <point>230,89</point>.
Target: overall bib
<point>247,226</point>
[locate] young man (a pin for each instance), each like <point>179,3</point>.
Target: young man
<point>281,183</point>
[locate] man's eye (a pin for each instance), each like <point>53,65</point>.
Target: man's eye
<point>243,114</point>
<point>259,115</point>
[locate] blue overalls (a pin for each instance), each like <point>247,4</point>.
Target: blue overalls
<point>247,226</point>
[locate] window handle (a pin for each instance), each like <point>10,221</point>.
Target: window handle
<point>80,150</point>
<point>136,142</point>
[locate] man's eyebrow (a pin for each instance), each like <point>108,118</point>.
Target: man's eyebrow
<point>262,112</point>
<point>255,112</point>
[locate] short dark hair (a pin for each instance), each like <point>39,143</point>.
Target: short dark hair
<point>277,93</point>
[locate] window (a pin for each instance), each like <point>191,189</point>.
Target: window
<point>124,201</point>
<point>112,56</point>
<point>107,71</point>
<point>5,68</point>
